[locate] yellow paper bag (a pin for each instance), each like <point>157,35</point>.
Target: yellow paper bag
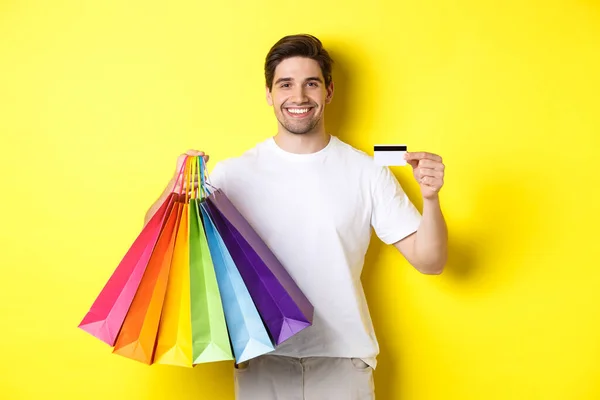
<point>174,342</point>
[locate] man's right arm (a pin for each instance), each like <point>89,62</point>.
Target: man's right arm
<point>164,195</point>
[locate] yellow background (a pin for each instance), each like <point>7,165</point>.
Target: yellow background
<point>97,99</point>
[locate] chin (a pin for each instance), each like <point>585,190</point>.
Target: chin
<point>301,130</point>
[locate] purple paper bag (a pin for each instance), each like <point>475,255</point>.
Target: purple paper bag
<point>283,307</point>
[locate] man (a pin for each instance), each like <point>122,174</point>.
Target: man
<point>313,199</point>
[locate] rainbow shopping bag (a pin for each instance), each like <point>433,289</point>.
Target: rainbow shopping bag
<point>198,285</point>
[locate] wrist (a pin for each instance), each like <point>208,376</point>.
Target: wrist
<point>433,199</point>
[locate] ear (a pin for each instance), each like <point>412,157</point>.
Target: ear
<point>268,95</point>
<point>329,93</point>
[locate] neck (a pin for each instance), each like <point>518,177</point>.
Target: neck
<point>306,143</point>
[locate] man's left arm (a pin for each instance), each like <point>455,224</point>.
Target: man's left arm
<point>427,248</point>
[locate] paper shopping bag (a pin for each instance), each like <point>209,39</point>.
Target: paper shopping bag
<point>210,339</point>
<point>107,313</point>
<point>280,302</point>
<point>248,335</point>
<point>140,328</point>
<point>174,342</point>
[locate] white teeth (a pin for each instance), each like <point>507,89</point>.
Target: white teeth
<point>298,110</point>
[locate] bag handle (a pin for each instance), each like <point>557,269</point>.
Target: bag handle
<point>180,176</point>
<point>196,172</point>
<point>189,185</point>
<point>206,185</point>
<point>195,166</point>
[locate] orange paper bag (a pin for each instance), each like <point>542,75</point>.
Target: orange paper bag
<point>140,328</point>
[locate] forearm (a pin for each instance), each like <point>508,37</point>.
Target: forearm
<point>431,239</point>
<point>154,207</point>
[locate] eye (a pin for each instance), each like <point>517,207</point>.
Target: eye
<point>285,85</point>
<point>313,84</point>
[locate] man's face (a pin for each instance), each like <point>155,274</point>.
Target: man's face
<point>299,95</point>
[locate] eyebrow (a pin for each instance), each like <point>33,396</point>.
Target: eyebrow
<point>312,78</point>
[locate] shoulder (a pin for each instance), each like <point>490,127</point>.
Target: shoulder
<point>248,156</point>
<point>347,150</point>
<point>232,166</point>
<point>378,179</point>
<point>358,160</point>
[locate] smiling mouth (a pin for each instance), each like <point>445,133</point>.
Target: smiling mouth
<point>299,112</point>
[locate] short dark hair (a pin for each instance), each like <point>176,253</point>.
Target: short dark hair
<point>303,45</point>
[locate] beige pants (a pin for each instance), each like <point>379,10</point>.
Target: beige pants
<point>314,378</point>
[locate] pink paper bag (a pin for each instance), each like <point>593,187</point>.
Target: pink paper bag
<point>106,316</point>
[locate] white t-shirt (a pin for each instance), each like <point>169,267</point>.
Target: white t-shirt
<point>315,212</point>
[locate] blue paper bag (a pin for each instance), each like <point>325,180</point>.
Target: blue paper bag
<point>248,335</point>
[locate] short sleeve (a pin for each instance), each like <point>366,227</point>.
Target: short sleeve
<point>394,216</point>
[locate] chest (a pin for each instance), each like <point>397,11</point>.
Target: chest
<point>304,204</point>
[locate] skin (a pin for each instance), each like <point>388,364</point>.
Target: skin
<point>299,97</point>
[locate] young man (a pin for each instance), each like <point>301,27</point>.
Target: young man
<point>313,199</point>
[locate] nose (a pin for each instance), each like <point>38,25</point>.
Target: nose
<point>299,95</point>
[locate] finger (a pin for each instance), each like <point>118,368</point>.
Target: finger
<point>431,181</point>
<point>194,153</point>
<point>421,155</point>
<point>432,188</point>
<point>431,164</point>
<point>434,173</point>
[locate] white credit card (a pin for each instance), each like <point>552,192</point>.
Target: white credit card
<point>389,154</point>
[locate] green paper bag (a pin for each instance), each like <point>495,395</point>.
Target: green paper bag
<point>210,338</point>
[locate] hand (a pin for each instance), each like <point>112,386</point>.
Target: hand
<point>177,183</point>
<point>428,170</point>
